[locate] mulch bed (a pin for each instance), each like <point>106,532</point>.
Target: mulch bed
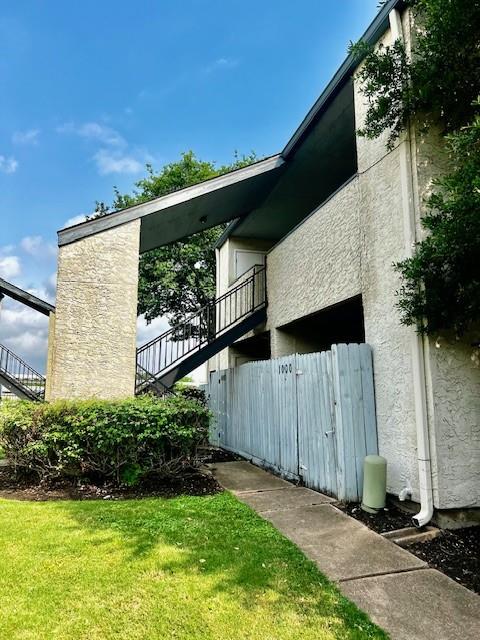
<point>192,484</point>
<point>389,519</point>
<point>456,553</point>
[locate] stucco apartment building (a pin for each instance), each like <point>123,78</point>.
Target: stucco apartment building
<point>329,233</point>
<point>326,219</point>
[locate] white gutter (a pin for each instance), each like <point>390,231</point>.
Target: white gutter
<point>418,355</point>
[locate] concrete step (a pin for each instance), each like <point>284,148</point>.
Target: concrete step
<point>411,535</point>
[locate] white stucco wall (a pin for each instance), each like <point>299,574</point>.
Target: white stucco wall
<point>93,346</point>
<point>318,264</point>
<point>383,244</point>
<point>456,420</point>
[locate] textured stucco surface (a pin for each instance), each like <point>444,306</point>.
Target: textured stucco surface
<point>455,381</point>
<point>383,244</point>
<point>95,327</point>
<point>318,264</point>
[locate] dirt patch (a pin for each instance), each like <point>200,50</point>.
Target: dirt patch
<point>194,484</point>
<point>455,553</point>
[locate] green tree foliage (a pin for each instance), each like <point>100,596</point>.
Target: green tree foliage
<point>179,278</point>
<point>440,78</point>
<point>442,279</point>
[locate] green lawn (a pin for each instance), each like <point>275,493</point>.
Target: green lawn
<point>185,568</point>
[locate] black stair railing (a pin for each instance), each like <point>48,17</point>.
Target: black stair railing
<point>202,327</point>
<point>146,382</point>
<point>20,374</point>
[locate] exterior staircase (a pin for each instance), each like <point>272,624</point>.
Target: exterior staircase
<point>177,352</point>
<point>19,378</point>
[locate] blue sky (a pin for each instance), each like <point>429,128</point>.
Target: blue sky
<point>92,90</point>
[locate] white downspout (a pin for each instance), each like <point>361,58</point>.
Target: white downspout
<point>418,356</point>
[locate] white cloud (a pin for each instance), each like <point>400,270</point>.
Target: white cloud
<point>75,220</point>
<point>94,131</point>
<point>36,246</point>
<point>25,331</point>
<point>30,136</point>
<point>146,332</point>
<point>221,63</point>
<point>115,154</point>
<point>19,317</point>
<point>8,165</point>
<point>6,249</point>
<point>51,286</point>
<point>10,267</point>
<point>112,162</point>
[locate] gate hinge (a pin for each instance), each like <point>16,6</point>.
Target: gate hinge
<point>298,372</point>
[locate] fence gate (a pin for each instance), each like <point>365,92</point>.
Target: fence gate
<point>316,422</point>
<point>308,417</point>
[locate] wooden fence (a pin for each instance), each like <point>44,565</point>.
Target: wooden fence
<point>308,417</point>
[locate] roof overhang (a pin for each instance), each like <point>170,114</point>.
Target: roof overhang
<point>190,210</point>
<point>374,32</point>
<point>310,132</point>
<point>235,195</point>
<point>10,290</point>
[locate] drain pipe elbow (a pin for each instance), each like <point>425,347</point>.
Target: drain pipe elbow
<point>423,517</point>
<point>425,514</point>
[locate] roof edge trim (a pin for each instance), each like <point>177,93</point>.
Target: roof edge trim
<point>117,218</point>
<point>373,33</point>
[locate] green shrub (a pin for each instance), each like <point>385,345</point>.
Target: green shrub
<point>118,441</point>
<point>193,393</point>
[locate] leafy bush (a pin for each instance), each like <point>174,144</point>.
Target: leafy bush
<point>193,393</point>
<point>119,441</point>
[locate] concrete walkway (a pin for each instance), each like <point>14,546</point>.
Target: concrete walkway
<point>398,590</point>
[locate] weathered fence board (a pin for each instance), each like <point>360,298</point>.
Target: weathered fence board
<point>309,416</point>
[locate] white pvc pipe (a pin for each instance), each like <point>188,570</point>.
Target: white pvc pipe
<point>418,355</point>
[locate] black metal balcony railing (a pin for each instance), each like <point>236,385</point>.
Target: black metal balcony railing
<point>144,380</point>
<point>21,375</point>
<point>202,327</point>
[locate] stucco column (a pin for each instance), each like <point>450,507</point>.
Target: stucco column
<point>281,343</point>
<point>93,351</point>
